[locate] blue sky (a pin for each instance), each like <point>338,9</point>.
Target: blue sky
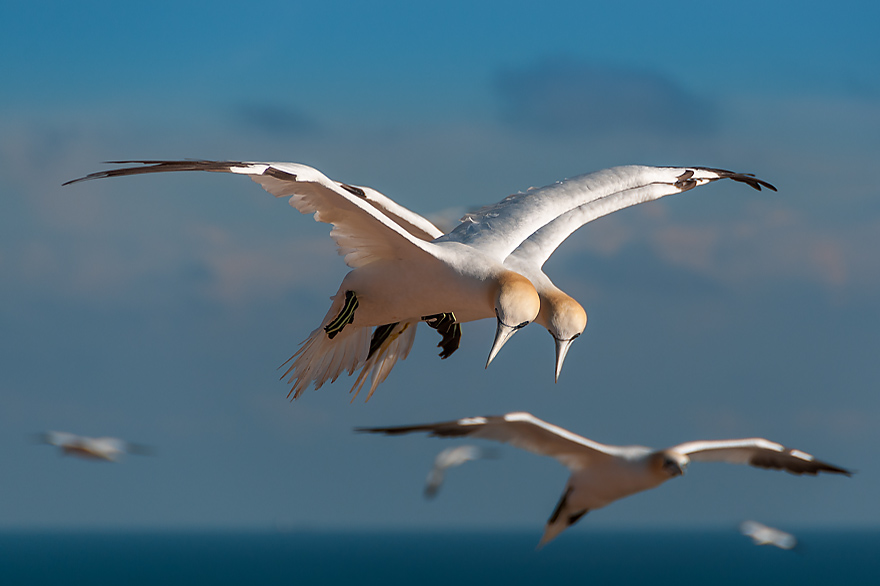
<point>158,308</point>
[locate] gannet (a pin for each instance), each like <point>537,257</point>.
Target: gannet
<point>396,277</point>
<point>598,194</point>
<point>518,233</point>
<point>109,449</point>
<point>602,474</point>
<point>450,458</point>
<point>763,535</point>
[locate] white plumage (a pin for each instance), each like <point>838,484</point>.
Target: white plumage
<point>405,269</point>
<point>450,458</point>
<point>763,535</point>
<point>397,276</point>
<point>109,449</point>
<point>602,474</point>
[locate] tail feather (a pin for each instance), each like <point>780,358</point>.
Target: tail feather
<point>320,358</point>
<point>563,517</point>
<point>550,532</point>
<point>395,347</point>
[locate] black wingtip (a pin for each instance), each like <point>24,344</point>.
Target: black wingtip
<point>383,430</point>
<point>747,178</point>
<point>832,469</point>
<point>750,180</point>
<point>758,183</point>
<point>157,166</point>
<point>86,178</point>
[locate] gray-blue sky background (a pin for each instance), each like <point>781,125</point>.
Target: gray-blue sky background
<point>158,308</point>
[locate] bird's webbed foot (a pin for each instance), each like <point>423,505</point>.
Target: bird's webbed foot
<point>345,316</point>
<point>448,328</point>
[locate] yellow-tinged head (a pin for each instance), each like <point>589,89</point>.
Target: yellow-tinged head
<point>667,464</point>
<point>564,318</point>
<point>516,305</point>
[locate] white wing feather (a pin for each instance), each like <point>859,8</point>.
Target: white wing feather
<point>363,229</point>
<point>538,247</point>
<point>499,229</point>
<point>523,431</point>
<point>362,232</point>
<point>757,452</point>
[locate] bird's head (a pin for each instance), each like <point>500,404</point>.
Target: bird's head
<point>564,318</point>
<point>516,306</point>
<point>670,464</point>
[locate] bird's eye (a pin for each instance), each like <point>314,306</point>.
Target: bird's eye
<point>522,325</point>
<point>575,336</point>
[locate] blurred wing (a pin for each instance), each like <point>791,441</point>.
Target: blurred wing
<point>517,429</point>
<point>450,458</point>
<point>757,452</point>
<point>363,228</point>
<point>501,228</point>
<point>434,482</point>
<point>57,438</point>
<point>763,535</point>
<point>107,445</point>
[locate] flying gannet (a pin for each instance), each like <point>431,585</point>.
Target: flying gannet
<point>396,277</point>
<point>109,449</point>
<point>602,474</point>
<point>602,193</point>
<point>763,535</point>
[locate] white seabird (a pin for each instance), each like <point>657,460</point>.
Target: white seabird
<point>406,271</point>
<point>602,474</point>
<point>450,458</point>
<point>763,535</point>
<point>599,194</point>
<point>109,449</point>
<point>396,277</point>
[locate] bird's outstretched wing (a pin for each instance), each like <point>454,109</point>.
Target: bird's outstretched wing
<point>450,458</point>
<point>414,223</point>
<point>55,438</point>
<point>365,222</point>
<point>499,229</point>
<point>757,452</point>
<point>521,430</point>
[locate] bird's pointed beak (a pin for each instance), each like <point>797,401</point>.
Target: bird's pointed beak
<point>562,347</point>
<point>502,334</point>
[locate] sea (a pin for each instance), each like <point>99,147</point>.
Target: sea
<point>717,557</point>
